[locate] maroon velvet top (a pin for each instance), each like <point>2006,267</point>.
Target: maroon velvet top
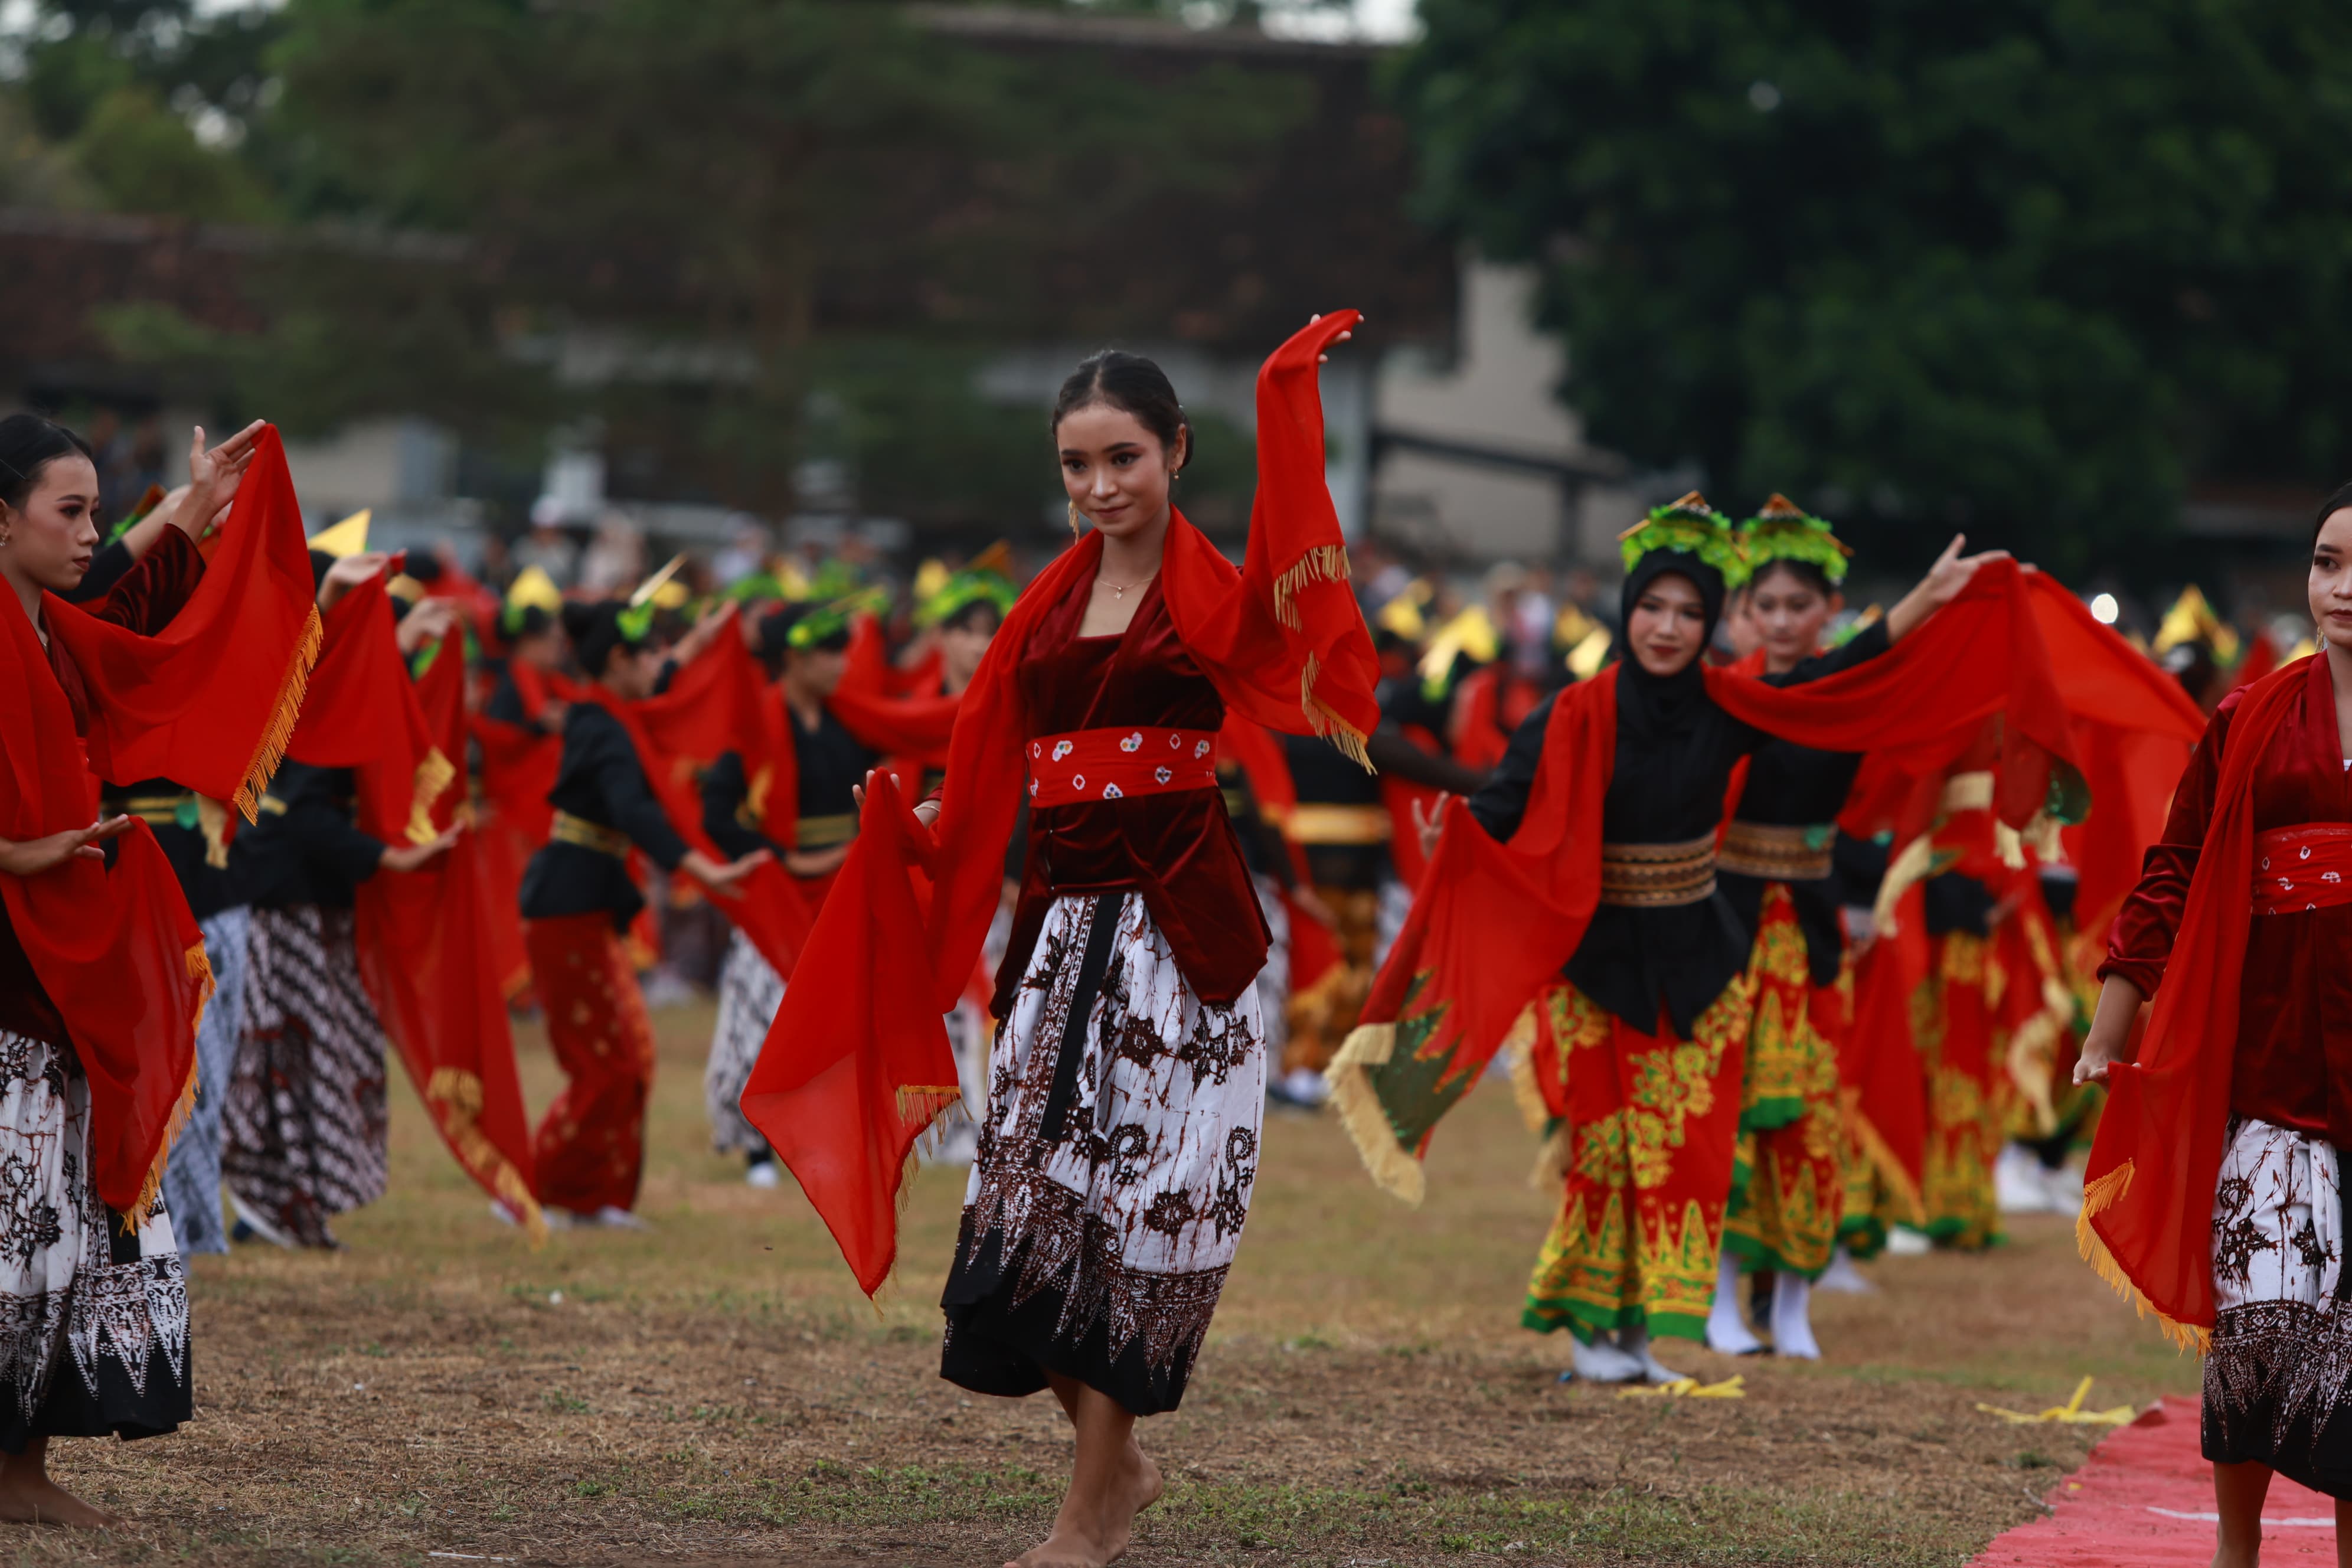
<point>144,601</point>
<point>1178,849</point>
<point>2294,1061</point>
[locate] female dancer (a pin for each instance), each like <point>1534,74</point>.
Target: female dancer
<point>577,899</point>
<point>1127,1080</point>
<point>1773,866</point>
<point>98,968</point>
<point>804,647</point>
<point>2215,1186</point>
<point>304,1124</point>
<point>1658,979</point>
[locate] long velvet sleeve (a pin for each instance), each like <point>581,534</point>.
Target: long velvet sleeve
<point>1502,801</point>
<point>724,790</point>
<point>2140,943</point>
<point>621,782</point>
<point>147,595</point>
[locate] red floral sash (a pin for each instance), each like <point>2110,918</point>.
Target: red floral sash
<point>2306,867</point>
<point>1114,764</point>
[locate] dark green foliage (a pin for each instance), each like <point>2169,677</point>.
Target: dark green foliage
<point>2025,266</point>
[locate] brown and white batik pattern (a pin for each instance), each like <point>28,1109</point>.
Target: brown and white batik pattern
<point>93,1322</point>
<point>303,1125</point>
<point>2280,1367</point>
<point>1129,1216</point>
<point>750,992</point>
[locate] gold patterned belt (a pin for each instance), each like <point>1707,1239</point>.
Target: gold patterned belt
<point>824,832</point>
<point>158,810</point>
<point>1322,822</point>
<point>1772,854</point>
<point>1656,875</point>
<point>571,829</point>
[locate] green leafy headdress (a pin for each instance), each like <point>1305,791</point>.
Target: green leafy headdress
<point>1784,531</point>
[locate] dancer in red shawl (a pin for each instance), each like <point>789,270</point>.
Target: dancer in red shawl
<point>176,673</point>
<point>577,900</point>
<point>807,799</point>
<point>1594,849</point>
<point>1128,1079</point>
<point>2215,1189</point>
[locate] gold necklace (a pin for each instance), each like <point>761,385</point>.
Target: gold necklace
<point>1118,590</point>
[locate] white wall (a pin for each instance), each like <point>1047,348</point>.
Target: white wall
<point>1500,392</point>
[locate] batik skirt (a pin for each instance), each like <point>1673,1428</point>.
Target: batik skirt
<point>1970,1093</point>
<point>750,992</point>
<point>2278,1375</point>
<point>192,1181</point>
<point>1114,1166</point>
<point>1644,1138</point>
<point>589,1153</point>
<point>93,1318</point>
<point>303,1123</point>
<point>1789,1188</point>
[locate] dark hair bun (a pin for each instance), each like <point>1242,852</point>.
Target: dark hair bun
<point>579,619</point>
<point>28,443</point>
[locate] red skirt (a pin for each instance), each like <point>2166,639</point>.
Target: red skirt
<point>1785,1214</point>
<point>590,1148</point>
<point>1645,1133</point>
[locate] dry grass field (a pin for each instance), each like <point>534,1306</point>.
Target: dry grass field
<point>715,1391</point>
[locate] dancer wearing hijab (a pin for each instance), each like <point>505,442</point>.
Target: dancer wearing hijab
<point>1598,833</point>
<point>177,672</point>
<point>578,899</point>
<point>1774,868</point>
<point>805,646</point>
<point>2214,1194</point>
<point>1126,1081</point>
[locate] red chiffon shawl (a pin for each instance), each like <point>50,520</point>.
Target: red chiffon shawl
<point>209,702</point>
<point>2148,1200</point>
<point>1493,922</point>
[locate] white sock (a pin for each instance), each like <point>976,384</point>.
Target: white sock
<point>1841,1278</point>
<point>1724,1331</point>
<point>1792,1327</point>
<point>1635,1343</point>
<point>1601,1362</point>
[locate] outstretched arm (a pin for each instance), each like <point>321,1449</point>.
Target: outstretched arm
<point>1940,586</point>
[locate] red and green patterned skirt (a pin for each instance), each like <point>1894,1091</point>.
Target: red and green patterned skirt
<point>1789,1190</point>
<point>1954,1015</point>
<point>1643,1136</point>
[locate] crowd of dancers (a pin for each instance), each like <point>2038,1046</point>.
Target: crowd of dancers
<point>1783,918</point>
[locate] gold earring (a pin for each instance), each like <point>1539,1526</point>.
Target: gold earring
<point>1074,531</point>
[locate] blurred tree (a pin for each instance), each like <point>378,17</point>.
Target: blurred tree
<point>2024,266</point>
<point>682,219</point>
<point>124,85</point>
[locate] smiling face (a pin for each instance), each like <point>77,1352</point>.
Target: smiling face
<point>2331,578</point>
<point>51,538</point>
<point>1668,625</point>
<point>1788,611</point>
<point>1115,469</point>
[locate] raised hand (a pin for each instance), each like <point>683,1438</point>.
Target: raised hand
<point>1951,572</point>
<point>347,575</point>
<point>1432,826</point>
<point>213,475</point>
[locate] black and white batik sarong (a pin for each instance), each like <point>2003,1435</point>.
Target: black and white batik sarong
<point>2278,1377</point>
<point>750,992</point>
<point>192,1181</point>
<point>1115,1162</point>
<point>93,1319</point>
<point>303,1125</point>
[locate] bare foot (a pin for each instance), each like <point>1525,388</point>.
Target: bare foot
<point>1067,1547</point>
<point>40,1500</point>
<point>1139,1487</point>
